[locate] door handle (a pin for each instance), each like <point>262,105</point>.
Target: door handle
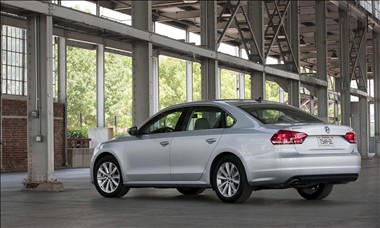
<point>164,143</point>
<point>211,141</point>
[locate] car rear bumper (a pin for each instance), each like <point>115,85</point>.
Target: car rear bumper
<point>302,170</point>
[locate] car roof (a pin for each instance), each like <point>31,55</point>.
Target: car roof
<point>233,102</point>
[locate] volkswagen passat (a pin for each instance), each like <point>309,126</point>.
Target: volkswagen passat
<point>232,146</point>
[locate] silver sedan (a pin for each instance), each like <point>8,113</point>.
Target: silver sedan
<point>232,146</point>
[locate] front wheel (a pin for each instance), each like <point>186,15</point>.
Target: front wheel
<point>108,178</point>
<point>315,192</point>
<point>229,180</point>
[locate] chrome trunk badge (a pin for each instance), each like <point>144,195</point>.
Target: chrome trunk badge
<point>327,129</point>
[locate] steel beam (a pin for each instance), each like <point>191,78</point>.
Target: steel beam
<point>141,63</point>
<point>344,67</point>
<point>376,74</point>
<point>40,106</point>
<point>321,44</point>
<point>137,34</point>
<point>209,67</point>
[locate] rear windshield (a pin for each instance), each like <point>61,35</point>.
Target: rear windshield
<point>270,114</point>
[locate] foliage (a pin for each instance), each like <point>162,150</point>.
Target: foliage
<point>80,132</point>
<point>81,87</point>
<point>118,90</point>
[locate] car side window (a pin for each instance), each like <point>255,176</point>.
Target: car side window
<point>166,122</point>
<point>203,118</point>
<point>229,121</point>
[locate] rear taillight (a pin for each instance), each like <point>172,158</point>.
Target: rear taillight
<point>351,137</point>
<point>288,137</point>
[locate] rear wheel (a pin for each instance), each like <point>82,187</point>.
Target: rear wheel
<point>316,192</point>
<point>108,178</point>
<point>229,180</point>
<point>191,191</point>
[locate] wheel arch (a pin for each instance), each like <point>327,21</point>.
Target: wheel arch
<point>217,159</point>
<point>102,155</point>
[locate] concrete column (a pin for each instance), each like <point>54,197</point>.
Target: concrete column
<point>218,83</point>
<point>256,19</point>
<point>363,100</point>
<point>1,105</point>
<point>189,75</point>
<point>62,70</point>
<point>153,87</point>
<point>321,43</point>
<point>40,106</point>
<point>376,74</point>
<point>100,107</point>
<point>344,67</point>
<point>209,67</point>
<point>292,28</point>
<point>142,62</point>
<point>294,93</point>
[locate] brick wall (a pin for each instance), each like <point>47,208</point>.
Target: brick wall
<point>14,135</point>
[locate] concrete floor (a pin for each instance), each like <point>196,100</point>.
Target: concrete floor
<point>353,205</point>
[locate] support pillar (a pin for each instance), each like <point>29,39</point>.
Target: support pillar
<point>153,87</point>
<point>209,67</point>
<point>189,75</point>
<point>376,74</point>
<point>292,28</point>
<point>62,82</point>
<point>62,70</point>
<point>294,93</point>
<point>363,100</point>
<point>142,62</point>
<point>344,67</point>
<point>256,19</point>
<point>100,107</point>
<point>40,106</point>
<point>321,43</point>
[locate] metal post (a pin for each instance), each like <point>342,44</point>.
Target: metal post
<point>344,67</point>
<point>40,106</point>
<point>209,67</point>
<point>142,62</point>
<point>62,85</point>
<point>363,100</point>
<point>100,109</point>
<point>189,75</point>
<point>376,74</point>
<point>153,87</point>
<point>321,43</point>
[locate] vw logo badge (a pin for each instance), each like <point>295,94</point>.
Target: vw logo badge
<point>327,129</point>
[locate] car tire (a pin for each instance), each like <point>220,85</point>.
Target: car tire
<point>229,180</point>
<point>316,192</point>
<point>190,191</point>
<point>108,178</point>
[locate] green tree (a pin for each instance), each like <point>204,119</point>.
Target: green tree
<point>81,89</point>
<point>118,90</point>
<point>172,81</point>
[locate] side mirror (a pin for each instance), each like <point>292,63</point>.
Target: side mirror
<point>132,131</point>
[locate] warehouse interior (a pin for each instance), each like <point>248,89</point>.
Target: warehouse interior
<point>330,49</point>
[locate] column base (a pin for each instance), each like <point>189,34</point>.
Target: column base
<point>53,186</point>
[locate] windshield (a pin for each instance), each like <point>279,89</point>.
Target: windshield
<point>272,114</point>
